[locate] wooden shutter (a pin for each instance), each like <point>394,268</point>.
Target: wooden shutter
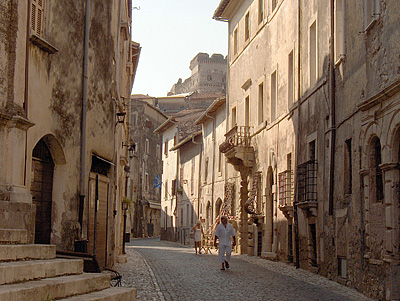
<point>37,16</point>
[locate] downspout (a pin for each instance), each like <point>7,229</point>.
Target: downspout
<point>26,92</point>
<point>213,168</point>
<point>295,213</point>
<point>82,192</point>
<point>332,103</point>
<point>199,179</point>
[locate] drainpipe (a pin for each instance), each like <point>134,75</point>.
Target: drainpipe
<point>82,192</point>
<point>332,113</point>
<point>213,167</point>
<point>26,92</point>
<point>199,180</point>
<point>295,213</point>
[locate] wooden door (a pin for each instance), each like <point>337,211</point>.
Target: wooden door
<point>41,190</point>
<point>98,240</point>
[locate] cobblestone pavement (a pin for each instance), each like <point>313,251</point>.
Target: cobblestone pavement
<point>163,270</point>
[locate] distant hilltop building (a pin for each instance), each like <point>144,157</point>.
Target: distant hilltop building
<point>208,75</point>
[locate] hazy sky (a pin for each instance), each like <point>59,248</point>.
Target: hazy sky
<point>171,33</point>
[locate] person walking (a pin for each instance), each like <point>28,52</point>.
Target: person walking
<point>223,233</point>
<point>198,232</point>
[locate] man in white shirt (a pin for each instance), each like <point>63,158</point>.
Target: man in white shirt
<point>223,233</point>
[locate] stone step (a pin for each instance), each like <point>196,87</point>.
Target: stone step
<point>55,288</point>
<point>14,236</point>
<point>20,271</point>
<point>26,252</point>
<point>110,294</point>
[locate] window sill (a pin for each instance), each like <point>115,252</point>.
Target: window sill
<point>42,44</point>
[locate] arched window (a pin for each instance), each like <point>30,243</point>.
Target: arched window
<point>376,176</point>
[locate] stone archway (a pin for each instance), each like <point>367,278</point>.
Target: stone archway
<point>48,171</point>
<point>208,215</point>
<point>218,206</point>
<point>41,190</point>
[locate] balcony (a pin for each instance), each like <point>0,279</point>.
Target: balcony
<point>286,188</point>
<point>307,186</point>
<point>237,146</point>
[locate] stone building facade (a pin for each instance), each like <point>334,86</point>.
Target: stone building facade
<point>174,131</point>
<point>312,130</point>
<point>208,75</point>
<point>63,81</point>
<point>145,214</point>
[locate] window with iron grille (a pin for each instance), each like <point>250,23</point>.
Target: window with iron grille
<point>285,179</point>
<point>307,181</point>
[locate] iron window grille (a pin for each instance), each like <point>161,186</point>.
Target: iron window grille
<point>307,181</point>
<point>286,187</point>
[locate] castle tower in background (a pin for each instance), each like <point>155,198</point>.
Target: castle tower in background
<point>208,75</point>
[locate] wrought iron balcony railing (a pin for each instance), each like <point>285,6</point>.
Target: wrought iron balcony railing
<point>238,136</point>
<point>307,181</point>
<point>286,188</point>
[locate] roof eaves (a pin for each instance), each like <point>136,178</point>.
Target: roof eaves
<point>220,10</point>
<point>165,125</point>
<point>211,109</point>
<point>186,140</point>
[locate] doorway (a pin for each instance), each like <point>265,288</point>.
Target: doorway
<point>41,190</point>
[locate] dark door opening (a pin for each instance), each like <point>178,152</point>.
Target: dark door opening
<point>41,190</point>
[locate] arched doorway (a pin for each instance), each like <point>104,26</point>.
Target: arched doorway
<point>218,205</point>
<point>208,215</point>
<point>41,190</point>
<point>269,211</point>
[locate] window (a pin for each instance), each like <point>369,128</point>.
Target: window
<point>247,111</point>
<point>376,176</point>
<point>313,54</point>
<point>247,27</point>
<point>146,182</point>
<point>371,11</point>
<point>181,217</point>
<point>192,176</point>
<point>233,117</point>
<point>273,95</point>
<point>147,146</point>
<point>166,148</point>
<point>37,16</point>
<point>260,11</point>
<point>165,217</point>
<point>342,267</point>
<point>158,151</point>
<point>339,29</point>
<point>173,187</point>
<point>166,189</point>
<point>235,41</point>
<point>134,118</point>
<point>205,170</point>
<point>261,103</point>
<point>348,170</point>
<point>274,3</point>
<point>290,79</point>
<point>219,161</point>
<point>311,151</point>
<point>187,215</point>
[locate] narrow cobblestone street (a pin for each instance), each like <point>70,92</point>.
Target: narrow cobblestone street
<point>163,270</point>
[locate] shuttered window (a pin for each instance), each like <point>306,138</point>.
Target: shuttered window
<point>37,16</point>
